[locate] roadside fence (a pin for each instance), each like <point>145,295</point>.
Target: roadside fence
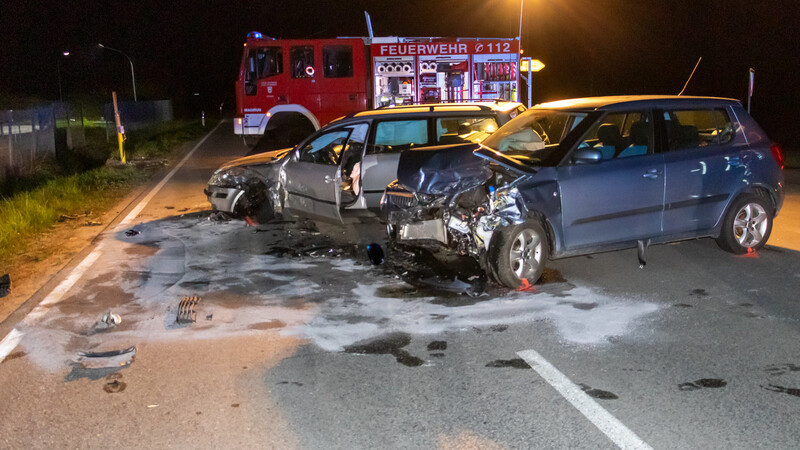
<point>30,134</point>
<point>137,115</point>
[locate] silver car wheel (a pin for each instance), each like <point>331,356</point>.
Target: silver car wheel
<point>525,255</point>
<point>750,225</point>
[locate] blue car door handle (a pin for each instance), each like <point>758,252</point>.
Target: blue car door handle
<point>652,173</point>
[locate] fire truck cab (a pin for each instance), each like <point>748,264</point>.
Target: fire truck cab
<point>316,80</point>
<point>313,81</point>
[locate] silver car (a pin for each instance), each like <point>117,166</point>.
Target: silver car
<point>348,163</point>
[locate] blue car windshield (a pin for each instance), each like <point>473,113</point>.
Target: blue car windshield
<point>532,136</point>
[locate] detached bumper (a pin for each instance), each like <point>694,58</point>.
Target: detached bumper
<point>222,199</point>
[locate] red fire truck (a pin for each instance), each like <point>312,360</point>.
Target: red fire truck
<point>318,80</point>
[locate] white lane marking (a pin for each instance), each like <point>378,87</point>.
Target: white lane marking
<point>602,419</point>
<point>56,295</point>
<point>9,343</point>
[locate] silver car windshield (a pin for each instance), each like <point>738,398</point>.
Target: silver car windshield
<point>533,135</point>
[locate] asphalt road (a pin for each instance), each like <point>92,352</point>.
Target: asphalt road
<point>301,343</point>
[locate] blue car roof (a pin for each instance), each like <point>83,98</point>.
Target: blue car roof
<point>639,101</point>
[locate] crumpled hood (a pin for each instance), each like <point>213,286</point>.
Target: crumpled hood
<point>258,159</point>
<point>442,170</point>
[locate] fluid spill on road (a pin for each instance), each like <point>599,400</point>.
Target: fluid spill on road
<point>271,325</point>
<point>15,355</point>
<point>389,345</point>
<point>713,383</point>
<point>437,345</point>
<point>780,369</point>
<point>516,363</point>
<point>784,390</point>
<point>597,393</point>
<point>113,384</point>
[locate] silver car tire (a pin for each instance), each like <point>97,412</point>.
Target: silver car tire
<point>747,225</point>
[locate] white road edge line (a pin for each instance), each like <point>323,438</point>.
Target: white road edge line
<point>10,342</point>
<point>602,419</point>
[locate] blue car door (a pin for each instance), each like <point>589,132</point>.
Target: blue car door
<point>620,198</point>
<point>704,163</point>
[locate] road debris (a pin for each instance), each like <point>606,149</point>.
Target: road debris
<point>92,223</point>
<point>375,254</point>
<point>108,321</point>
<point>132,233</point>
<point>186,309</point>
<point>5,285</point>
<point>113,358</point>
<point>114,385</point>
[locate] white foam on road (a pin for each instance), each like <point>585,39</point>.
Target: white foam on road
<point>333,328</point>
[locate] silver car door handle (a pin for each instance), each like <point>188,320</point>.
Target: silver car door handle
<point>329,179</point>
<point>652,173</point>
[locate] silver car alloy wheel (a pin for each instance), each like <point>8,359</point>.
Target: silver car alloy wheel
<point>525,254</point>
<point>750,225</point>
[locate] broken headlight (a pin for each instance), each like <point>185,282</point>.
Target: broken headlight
<point>232,177</point>
<point>426,199</point>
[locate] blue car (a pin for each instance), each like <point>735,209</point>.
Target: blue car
<point>587,175</point>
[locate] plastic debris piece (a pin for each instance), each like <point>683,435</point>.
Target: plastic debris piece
<point>5,285</point>
<point>113,358</point>
<point>152,406</point>
<point>111,318</point>
<point>525,286</point>
<point>250,222</point>
<point>375,254</point>
<point>186,310</point>
<point>92,223</point>
<point>132,232</point>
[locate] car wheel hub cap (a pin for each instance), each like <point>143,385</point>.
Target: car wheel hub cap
<point>526,254</point>
<point>750,225</point>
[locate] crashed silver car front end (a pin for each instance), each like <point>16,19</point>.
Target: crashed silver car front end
<point>245,184</point>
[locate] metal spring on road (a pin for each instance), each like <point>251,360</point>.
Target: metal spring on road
<point>186,311</point>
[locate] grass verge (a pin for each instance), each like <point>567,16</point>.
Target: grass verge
<point>27,214</point>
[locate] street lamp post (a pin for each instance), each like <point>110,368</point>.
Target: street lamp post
<point>58,70</point>
<point>133,77</point>
<point>519,41</point>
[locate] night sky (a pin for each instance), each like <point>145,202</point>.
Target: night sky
<point>590,47</point>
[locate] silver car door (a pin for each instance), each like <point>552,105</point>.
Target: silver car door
<point>312,177</point>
